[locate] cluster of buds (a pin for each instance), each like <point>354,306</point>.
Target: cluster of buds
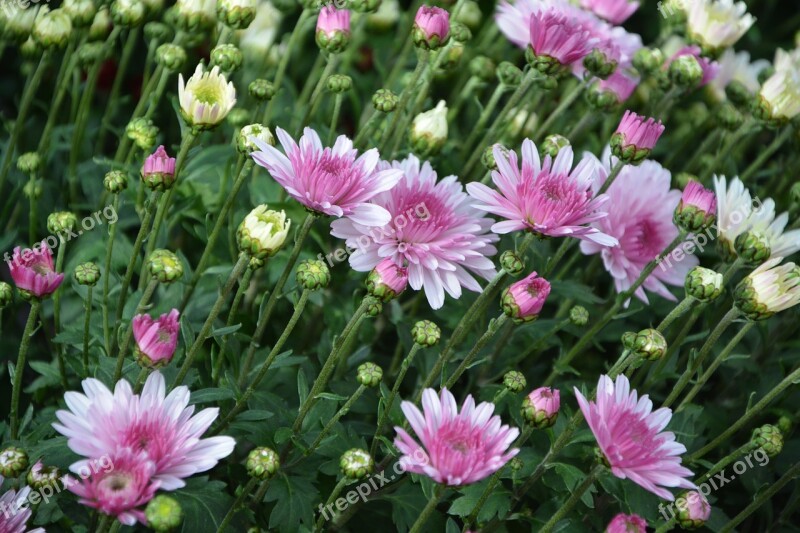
<point>540,407</point>
<point>263,232</point>
<point>523,301</point>
<point>387,280</point>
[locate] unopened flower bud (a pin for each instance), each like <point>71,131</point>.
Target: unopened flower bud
<point>142,132</point>
<point>61,221</point>
<point>115,181</point>
<point>164,514</point>
<point>512,263</point>
<point>685,72</point>
<point>738,94</point>
<point>769,438</point>
<point>29,162</point>
<point>753,247</point>
<point>648,60</point>
<point>127,13</point>
<point>729,117</point>
<point>238,117</point>
<point>374,306</point>
<point>194,16</point>
<point>262,463</point>
<point>431,27</point>
<point>171,56</point>
<point>87,274</point>
<point>426,333</point>
<point>703,284</point>
<point>579,316</point>
<point>91,53</point>
<point>623,523</point>
<point>30,49</point>
<point>101,25</point>
<point>32,189</point>
<point>487,157</point>
<point>52,30</point>
<point>164,266</point>
<point>553,144</point>
<point>523,301</point>
<point>385,100</point>
<point>339,83</point>
<point>262,90</point>
<point>313,274</point>
<point>80,12</point>
<point>649,344</point>
<point>245,141</point>
<point>785,425</point>
<point>693,510</point>
<point>509,74</point>
<point>602,100</point>
<point>697,209</point>
<point>369,374</point>
<point>227,57</point>
<point>429,130</point>
<point>385,17</point>
<point>599,64</point>
<point>13,461</point>
<point>41,476</point>
<point>769,289</point>
<point>356,464</point>
<point>482,68</point>
<point>364,6</point>
<point>470,14</point>
<point>333,29</point>
<point>460,32</point>
<point>158,171</point>
<point>540,407</point>
<point>6,294</point>
<point>157,32</point>
<point>263,232</point>
<point>452,56</point>
<point>236,14</point>
<point>387,280</point>
<point>514,381</point>
<point>635,138</point>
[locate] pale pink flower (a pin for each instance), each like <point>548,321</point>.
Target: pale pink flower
<point>555,35</point>
<point>332,181</point>
<point>710,68</point>
<point>546,399</point>
<point>159,163</point>
<point>693,507</point>
<point>433,230</point>
<point>620,83</point>
<point>523,300</point>
<point>547,197</point>
<point>457,448</point>
<point>639,132</point>
<point>156,340</point>
<point>100,423</point>
<point>33,270</point>
<point>640,213</point>
<point>627,523</point>
<point>123,490</point>
<point>433,22</point>
<point>614,11</point>
<point>631,437</point>
<point>15,511</point>
<point>331,20</point>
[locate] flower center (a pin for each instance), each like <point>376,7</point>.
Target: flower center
<point>117,482</point>
<point>207,92</point>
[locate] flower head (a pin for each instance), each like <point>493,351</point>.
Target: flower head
<point>16,511</point>
<point>206,98</point>
<point>697,209</point>
<point>263,232</point>
<point>458,448</point>
<point>631,437</point>
<point>158,171</point>
<point>635,138</point>
<point>432,229</point>
<point>333,29</point>
<point>693,510</point>
<point>429,129</point>
<point>387,280</point>
<point>33,271</point>
<point>431,27</point>
<point>614,11</point>
<point>331,181</point>
<point>717,24</point>
<point>737,67</point>
<point>709,68</point>
<point>556,41</point>
<point>541,407</point>
<point>523,300</point>
<point>769,289</point>
<point>121,492</point>
<point>640,213</point>
<point>100,422</point>
<point>780,94</point>
<point>627,523</point>
<point>156,340</point>
<point>546,197</point>
<point>620,84</point>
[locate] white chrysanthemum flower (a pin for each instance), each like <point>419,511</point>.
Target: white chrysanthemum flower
<point>717,24</point>
<point>737,67</point>
<point>769,289</point>
<point>429,129</point>
<point>206,98</point>
<point>263,231</point>
<point>781,92</point>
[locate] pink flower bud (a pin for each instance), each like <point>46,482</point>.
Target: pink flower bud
<point>627,523</point>
<point>697,209</point>
<point>33,272</point>
<point>693,509</point>
<point>333,29</point>
<point>541,406</point>
<point>156,340</point>
<point>387,280</point>
<point>431,27</point>
<point>635,138</point>
<point>523,301</point>
<point>158,171</point>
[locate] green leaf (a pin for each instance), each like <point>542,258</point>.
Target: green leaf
<point>295,497</point>
<point>204,504</point>
<point>226,330</point>
<point>331,396</point>
<point>212,395</point>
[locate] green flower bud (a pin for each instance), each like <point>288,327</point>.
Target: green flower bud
<point>164,266</point>
<point>245,145</point>
<point>785,425</point>
<point>769,438</point>
<point>163,514</point>
<point>171,56</point>
<point>87,274</point>
<point>6,294</point>
<point>514,381</point>
<point>101,25</point>
<point>157,32</point>
<point>13,461</point>
<point>333,42</point>
<point>738,94</point>
<point>91,53</point>
<point>426,333</point>
<point>339,83</point>
<point>516,464</point>
<point>601,100</point>
<point>238,117</point>
<point>599,64</point>
<point>356,464</point>
<point>32,189</point>
<point>649,344</point>
<point>374,306</point>
<point>127,13</point>
<point>61,221</point>
<point>142,132</point>
<point>80,12</point>
<point>29,162</point>
<point>18,28</point>
<point>452,56</point>
<point>483,68</point>
<point>30,49</point>
<point>549,66</point>
<point>553,144</point>
<point>512,263</point>
<point>236,14</point>
<point>746,299</point>
<point>262,90</point>
<point>509,74</point>
<point>262,463</point>
<point>729,117</point>
<point>579,316</point>
<point>263,232</point>
<point>52,30</point>
<point>685,72</point>
<point>40,476</point>
<point>460,32</point>
<point>648,60</point>
<point>753,247</point>
<point>385,100</point>
<point>487,157</point>
<point>115,181</point>
<point>470,15</point>
<point>385,17</point>
<point>227,57</point>
<point>369,374</point>
<point>703,284</point>
<point>313,274</point>
<point>364,6</point>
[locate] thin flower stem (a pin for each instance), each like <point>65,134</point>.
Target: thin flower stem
<point>721,464</point>
<point>332,498</point>
<point>236,272</point>
<point>244,285</point>
<point>241,403</point>
<point>140,308</point>
<point>480,125</point>
<point>576,495</point>
<point>672,347</point>
<point>311,81</point>
<point>112,232</point>
<point>127,52</point>
<point>62,367</point>
<point>337,108</point>
<point>438,492</point>
<point>276,293</point>
<point>712,339</point>
<point>566,102</point>
<point>365,131</point>
<point>723,355</point>
<point>339,414</point>
<point>473,516</point>
<point>611,177</point>
<point>405,96</point>
<point>677,312</point>
<point>238,503</point>
<point>141,378</point>
<point>332,61</point>
<point>762,498</point>
<point>243,168</point>
<point>155,97</point>
<point>461,97</point>
<point>19,369</point>
<point>765,155</point>
<point>586,120</point>
<point>491,331</point>
<point>86,322</point>
<point>295,35</point>
<point>62,84</point>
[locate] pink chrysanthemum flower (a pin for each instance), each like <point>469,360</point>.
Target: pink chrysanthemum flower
<point>554,35</point>
<point>330,181</point>
<point>627,523</point>
<point>640,213</point>
<point>434,231</point>
<point>122,491</point>
<point>101,423</point>
<point>614,11</point>
<point>457,448</point>
<point>710,68</point>
<point>631,437</point>
<point>15,511</point>
<point>33,271</point>
<point>524,300</point>
<point>550,198</point>
<point>157,339</point>
<point>638,131</point>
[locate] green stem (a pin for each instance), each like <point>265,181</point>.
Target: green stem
<point>86,322</point>
<point>62,84</point>
<point>337,108</point>
<point>125,58</point>
<point>565,103</point>
<point>236,272</point>
<point>677,312</point>
<point>765,155</point>
<point>618,166</point>
<point>332,498</point>
<point>140,308</point>
<point>143,373</point>
<point>575,495</point>
<point>762,498</point>
<point>405,96</point>
<point>493,328</point>
<point>309,108</point>
<point>237,504</point>
<point>62,366</point>
<point>155,98</point>
<point>339,414</point>
<point>480,125</point>
<point>426,513</point>
<point>19,369</point>
<point>112,232</point>
<point>366,130</point>
<point>473,516</point>
<point>244,284</point>
<point>287,54</point>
